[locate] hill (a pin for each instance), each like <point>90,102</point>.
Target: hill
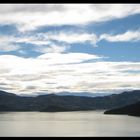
<point>133,109</point>
<point>12,102</point>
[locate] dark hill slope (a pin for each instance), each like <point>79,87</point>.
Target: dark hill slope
<point>133,110</point>
<point>13,102</point>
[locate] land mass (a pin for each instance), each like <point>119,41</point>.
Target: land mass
<point>133,110</point>
<point>56,103</point>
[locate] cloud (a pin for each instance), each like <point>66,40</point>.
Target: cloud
<point>60,42</point>
<point>50,42</point>
<point>30,17</point>
<point>32,39</point>
<point>65,37</point>
<point>53,48</point>
<point>71,37</point>
<point>7,47</point>
<point>7,44</point>
<point>124,37</point>
<point>57,58</point>
<point>57,69</point>
<point>51,71</point>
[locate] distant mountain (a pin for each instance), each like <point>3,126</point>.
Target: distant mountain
<point>133,109</point>
<point>53,102</point>
<point>84,94</point>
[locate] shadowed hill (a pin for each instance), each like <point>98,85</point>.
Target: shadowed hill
<point>3,93</point>
<point>133,109</point>
<point>53,102</point>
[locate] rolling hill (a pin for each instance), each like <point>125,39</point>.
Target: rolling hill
<point>53,102</point>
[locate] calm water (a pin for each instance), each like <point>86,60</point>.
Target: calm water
<point>90,123</point>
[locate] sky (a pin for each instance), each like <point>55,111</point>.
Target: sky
<point>51,48</point>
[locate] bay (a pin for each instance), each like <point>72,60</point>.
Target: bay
<point>69,124</point>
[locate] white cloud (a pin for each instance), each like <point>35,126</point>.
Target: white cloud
<point>6,44</point>
<point>31,16</point>
<point>71,37</point>
<point>124,37</point>
<point>49,42</point>
<point>7,47</point>
<point>59,42</point>
<point>53,48</point>
<point>32,39</point>
<point>54,72</point>
<point>57,70</point>
<point>66,37</point>
<point>57,58</point>
<point>45,42</point>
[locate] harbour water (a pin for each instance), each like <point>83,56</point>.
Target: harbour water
<point>79,123</point>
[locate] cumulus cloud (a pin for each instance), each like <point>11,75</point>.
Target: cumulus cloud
<point>30,17</point>
<point>124,37</point>
<point>57,69</point>
<point>51,71</point>
<point>57,58</point>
